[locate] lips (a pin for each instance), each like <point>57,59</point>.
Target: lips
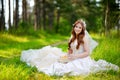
<point>77,31</point>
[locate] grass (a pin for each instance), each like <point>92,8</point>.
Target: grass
<point>11,68</point>
<point>11,45</point>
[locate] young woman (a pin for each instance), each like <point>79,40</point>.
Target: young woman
<point>52,61</point>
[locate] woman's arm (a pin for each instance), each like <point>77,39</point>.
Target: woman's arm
<point>70,51</point>
<point>86,49</point>
<point>85,53</point>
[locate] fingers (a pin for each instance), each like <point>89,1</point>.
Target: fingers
<point>71,57</point>
<point>70,51</point>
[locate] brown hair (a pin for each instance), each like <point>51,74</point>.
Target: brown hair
<point>80,35</point>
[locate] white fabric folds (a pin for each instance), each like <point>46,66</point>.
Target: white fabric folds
<point>46,60</point>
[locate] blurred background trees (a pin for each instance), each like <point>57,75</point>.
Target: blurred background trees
<point>57,16</point>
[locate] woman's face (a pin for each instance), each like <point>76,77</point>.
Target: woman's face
<point>78,28</point>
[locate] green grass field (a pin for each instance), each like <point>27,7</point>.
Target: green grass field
<point>11,68</point>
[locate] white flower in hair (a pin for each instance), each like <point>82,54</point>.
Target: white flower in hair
<point>83,22</point>
<point>80,20</point>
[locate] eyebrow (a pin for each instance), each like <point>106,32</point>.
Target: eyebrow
<point>78,26</point>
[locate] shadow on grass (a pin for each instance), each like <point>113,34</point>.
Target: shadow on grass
<point>16,62</point>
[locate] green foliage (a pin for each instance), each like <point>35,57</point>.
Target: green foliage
<point>64,27</point>
<point>24,28</point>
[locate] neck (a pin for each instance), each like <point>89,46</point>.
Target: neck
<point>76,35</point>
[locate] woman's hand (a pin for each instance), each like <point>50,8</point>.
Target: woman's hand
<point>70,51</point>
<point>72,56</point>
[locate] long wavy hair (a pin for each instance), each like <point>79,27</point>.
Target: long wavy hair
<point>80,35</point>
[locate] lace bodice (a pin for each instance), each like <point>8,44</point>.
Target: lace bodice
<point>77,51</point>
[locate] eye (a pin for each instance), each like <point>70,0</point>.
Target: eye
<point>80,27</point>
<point>76,26</point>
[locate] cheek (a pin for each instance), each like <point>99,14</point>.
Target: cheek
<point>80,29</point>
<point>74,29</point>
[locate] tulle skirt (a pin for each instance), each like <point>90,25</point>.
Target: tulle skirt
<point>46,61</point>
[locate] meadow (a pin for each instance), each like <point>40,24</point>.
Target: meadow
<point>11,68</point>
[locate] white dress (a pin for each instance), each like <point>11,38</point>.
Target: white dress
<point>46,60</point>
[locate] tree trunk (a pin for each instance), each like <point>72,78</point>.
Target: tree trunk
<point>16,16</point>
<point>35,14</point>
<point>118,28</point>
<point>106,18</point>
<point>13,14</point>
<point>24,12</point>
<point>38,14</point>
<point>58,20</point>
<point>44,14</point>
<point>9,21</point>
<point>37,10</point>
<point>2,17</point>
<point>51,20</point>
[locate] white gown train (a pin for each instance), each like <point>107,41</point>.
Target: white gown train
<point>46,60</point>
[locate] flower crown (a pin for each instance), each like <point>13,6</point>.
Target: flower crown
<point>80,20</point>
<point>83,22</point>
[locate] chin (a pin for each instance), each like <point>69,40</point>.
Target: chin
<point>77,32</point>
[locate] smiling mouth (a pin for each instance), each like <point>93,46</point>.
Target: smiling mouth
<point>77,31</point>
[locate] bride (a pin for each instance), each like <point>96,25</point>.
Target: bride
<point>77,61</point>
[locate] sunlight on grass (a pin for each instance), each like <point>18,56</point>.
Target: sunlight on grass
<point>103,76</point>
<point>108,49</point>
<point>9,52</point>
<point>11,72</point>
<point>11,45</point>
<point>96,36</point>
<point>14,38</point>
